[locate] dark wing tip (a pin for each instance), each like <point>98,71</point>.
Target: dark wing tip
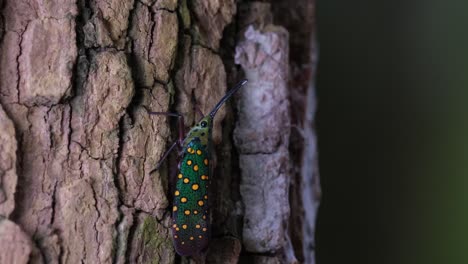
<point>191,248</point>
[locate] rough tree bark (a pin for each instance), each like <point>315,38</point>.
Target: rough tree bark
<point>77,146</point>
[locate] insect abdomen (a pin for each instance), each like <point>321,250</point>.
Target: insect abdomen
<point>190,228</point>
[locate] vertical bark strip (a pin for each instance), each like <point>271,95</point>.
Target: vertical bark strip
<point>262,137</point>
<point>8,176</point>
<point>299,20</point>
<point>304,195</point>
<point>77,145</point>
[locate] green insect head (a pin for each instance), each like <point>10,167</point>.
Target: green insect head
<point>202,131</point>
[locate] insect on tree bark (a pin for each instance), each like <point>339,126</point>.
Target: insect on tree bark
<point>78,148</point>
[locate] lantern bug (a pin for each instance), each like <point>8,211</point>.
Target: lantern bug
<point>190,212</point>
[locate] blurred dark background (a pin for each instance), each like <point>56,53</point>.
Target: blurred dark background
<point>393,131</point>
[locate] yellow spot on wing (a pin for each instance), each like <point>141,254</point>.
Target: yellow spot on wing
<point>184,226</point>
<point>197,226</point>
<point>174,208</point>
<point>205,161</point>
<point>180,175</point>
<point>189,162</point>
<point>186,180</point>
<point>177,193</point>
<point>195,212</point>
<point>195,168</point>
<point>200,203</point>
<point>204,229</point>
<point>183,242</point>
<point>189,150</point>
<point>195,187</point>
<point>191,238</point>
<point>174,225</point>
<point>183,199</point>
<point>199,152</point>
<point>175,236</point>
<point>200,236</point>
<point>177,229</point>
<point>204,177</point>
<point>206,197</point>
<point>187,212</point>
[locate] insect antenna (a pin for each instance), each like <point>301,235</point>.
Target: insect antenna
<point>228,94</point>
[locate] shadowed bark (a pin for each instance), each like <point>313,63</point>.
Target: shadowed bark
<point>77,145</point>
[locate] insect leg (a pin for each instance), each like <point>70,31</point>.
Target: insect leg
<point>181,128</point>
<point>164,157</point>
<point>181,125</point>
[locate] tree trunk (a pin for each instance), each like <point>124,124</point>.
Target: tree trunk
<point>78,147</point>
